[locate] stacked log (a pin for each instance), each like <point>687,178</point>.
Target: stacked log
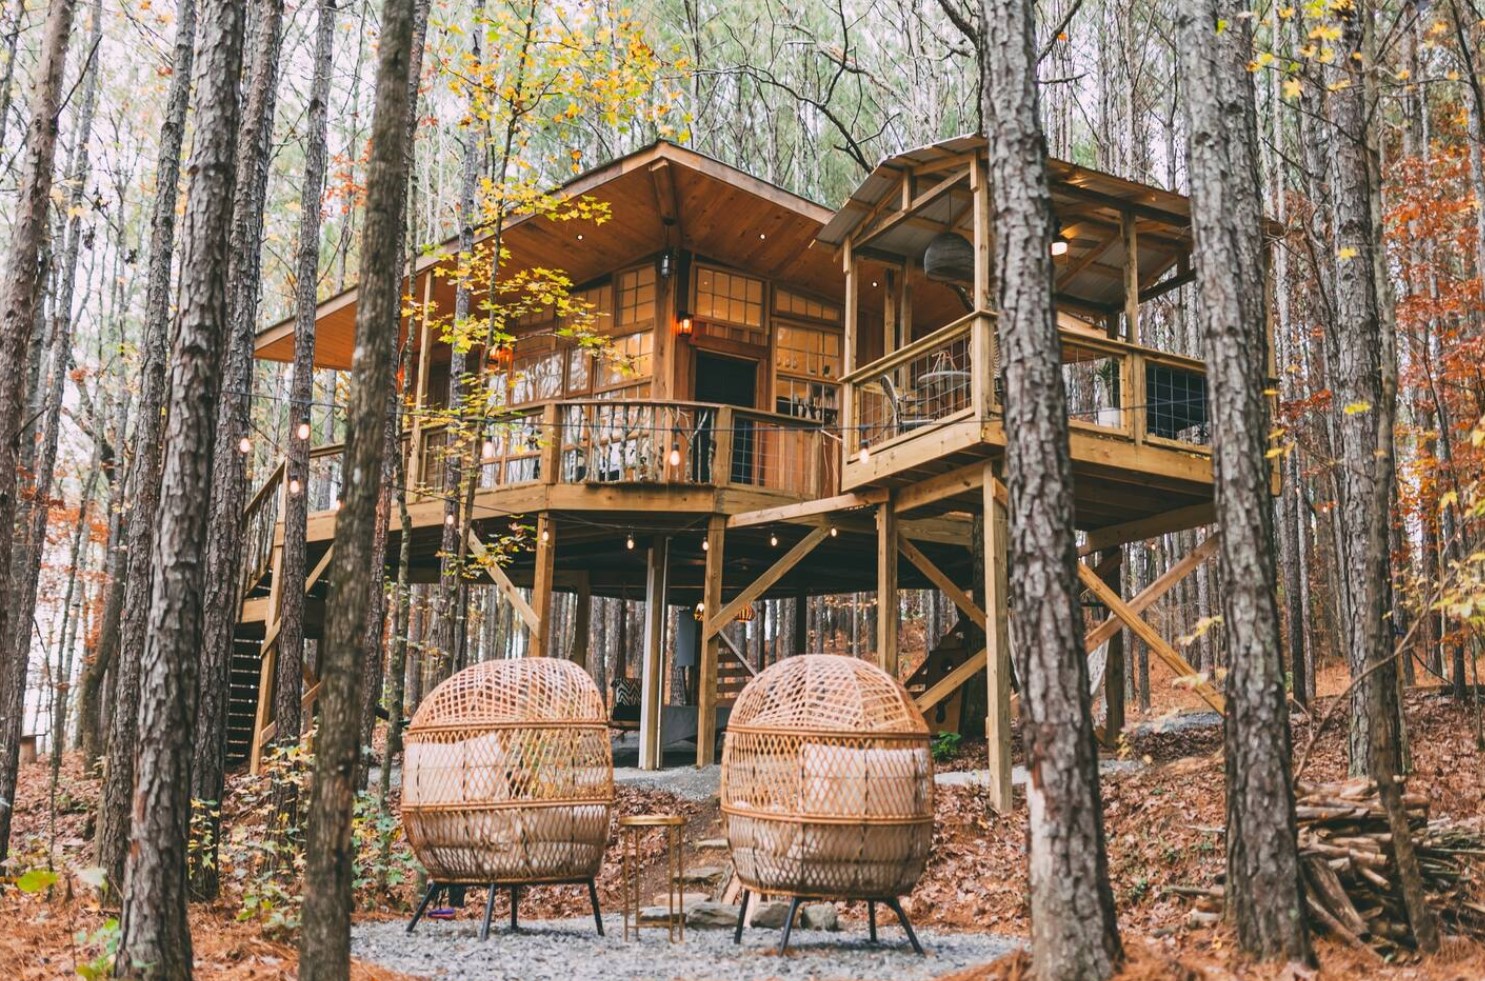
<point>1345,849</point>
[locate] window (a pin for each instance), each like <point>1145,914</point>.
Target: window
<point>636,306</point>
<point>625,360</point>
<point>536,377</point>
<point>599,300</point>
<point>807,361</point>
<point>728,296</point>
<point>579,370</point>
<point>802,306</point>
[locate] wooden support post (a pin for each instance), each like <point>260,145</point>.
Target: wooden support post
<point>269,665</point>
<point>801,622</point>
<point>1113,665</point>
<point>887,618</point>
<point>997,646</point>
<point>414,463</point>
<point>653,660</point>
<point>582,621</point>
<point>1131,277</point>
<point>541,585</point>
<point>849,437</point>
<point>706,682</point>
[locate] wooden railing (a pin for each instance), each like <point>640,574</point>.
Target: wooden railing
<point>1114,389</point>
<point>260,521</point>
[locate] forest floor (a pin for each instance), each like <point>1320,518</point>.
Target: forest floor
<point>1164,819</point>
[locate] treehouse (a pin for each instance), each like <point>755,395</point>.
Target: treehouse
<point>787,402</point>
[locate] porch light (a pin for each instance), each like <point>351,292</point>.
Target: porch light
<point>667,264</point>
<point>502,356</point>
<point>700,612</point>
<point>746,615</point>
<point>684,325</point>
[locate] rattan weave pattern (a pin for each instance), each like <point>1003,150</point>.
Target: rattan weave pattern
<point>509,775</point>
<point>827,781</point>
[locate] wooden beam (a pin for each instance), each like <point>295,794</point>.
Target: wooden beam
<point>541,586</point>
<point>715,621</point>
<point>1180,519</point>
<point>1130,236</point>
<point>806,509</point>
<point>951,682</point>
<point>706,682</point>
<point>984,231</point>
<point>1150,636</point>
<point>865,237</point>
<point>507,588</point>
<point>997,643</point>
<point>887,602</point>
<point>945,585</point>
<point>925,492</point>
<point>1084,261</point>
<point>1151,594</point>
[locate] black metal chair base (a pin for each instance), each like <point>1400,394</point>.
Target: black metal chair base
<point>871,917</point>
<point>434,888</point>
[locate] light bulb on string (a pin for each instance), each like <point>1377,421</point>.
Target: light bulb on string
<point>865,453</point>
<point>705,545</point>
<point>675,454</point>
<point>448,519</point>
<point>245,445</point>
<point>629,541</point>
<point>487,450</point>
<point>294,486</point>
<point>833,531</point>
<point>546,535</point>
<point>304,430</point>
<point>773,540</point>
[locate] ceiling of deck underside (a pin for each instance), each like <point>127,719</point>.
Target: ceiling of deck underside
<point>716,212</point>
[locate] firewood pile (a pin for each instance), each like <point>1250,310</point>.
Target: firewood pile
<point>1345,849</point>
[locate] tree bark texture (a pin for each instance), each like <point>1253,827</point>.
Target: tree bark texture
<point>1361,357</point>
<point>325,930</point>
<point>1265,896</point>
<point>155,939</point>
<point>142,487</point>
<point>21,286</point>
<point>288,686</point>
<point>1073,930</point>
<point>229,490</point>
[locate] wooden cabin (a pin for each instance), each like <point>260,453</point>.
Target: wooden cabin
<point>789,402</point>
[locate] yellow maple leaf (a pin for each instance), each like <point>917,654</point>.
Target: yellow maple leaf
<point>1291,88</point>
<point>1356,408</point>
<point>1347,253</point>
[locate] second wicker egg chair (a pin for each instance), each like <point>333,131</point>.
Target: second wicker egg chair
<point>827,786</point>
<point>508,780</point>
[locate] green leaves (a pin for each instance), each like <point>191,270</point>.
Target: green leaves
<point>36,880</point>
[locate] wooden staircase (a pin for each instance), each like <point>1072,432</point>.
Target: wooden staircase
<point>733,675</point>
<point>242,694</point>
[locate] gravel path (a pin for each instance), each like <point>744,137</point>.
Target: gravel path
<point>684,781</point>
<point>569,950</point>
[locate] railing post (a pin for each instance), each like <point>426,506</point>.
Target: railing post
<point>982,366</point>
<point>551,449</point>
<point>722,447</point>
<point>1134,397</point>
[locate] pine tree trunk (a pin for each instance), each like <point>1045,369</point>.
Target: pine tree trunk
<point>229,472</point>
<point>21,286</point>
<point>1073,930</point>
<point>1265,898</point>
<point>1361,354</point>
<point>142,488</point>
<point>325,933</point>
<point>153,928</point>
<point>289,684</point>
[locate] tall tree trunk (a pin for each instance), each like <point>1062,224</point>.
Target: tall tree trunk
<point>7,79</point>
<point>289,685</point>
<point>155,939</point>
<point>1265,898</point>
<point>142,488</point>
<point>325,934</point>
<point>1361,360</point>
<point>20,289</point>
<point>229,471</point>
<point>1073,930</point>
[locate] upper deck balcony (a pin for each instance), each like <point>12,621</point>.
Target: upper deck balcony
<point>924,396</point>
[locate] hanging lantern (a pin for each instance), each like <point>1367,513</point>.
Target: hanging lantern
<point>746,615</point>
<point>949,258</point>
<point>699,613</point>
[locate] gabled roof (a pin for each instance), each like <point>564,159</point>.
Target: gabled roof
<point>1088,203</point>
<point>661,196</point>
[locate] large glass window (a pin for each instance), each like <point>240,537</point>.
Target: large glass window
<point>636,299</point>
<point>626,360</point>
<point>807,362</point>
<point>729,296</point>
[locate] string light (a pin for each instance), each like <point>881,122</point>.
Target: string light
<point>546,535</point>
<point>304,430</point>
<point>629,542</point>
<point>773,540</point>
<point>245,445</point>
<point>833,531</point>
<point>448,519</point>
<point>675,454</point>
<point>294,486</point>
<point>335,506</point>
<point>865,453</point>
<point>705,545</point>
<point>487,450</point>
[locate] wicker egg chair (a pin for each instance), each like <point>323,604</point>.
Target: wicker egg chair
<point>827,786</point>
<point>508,781</point>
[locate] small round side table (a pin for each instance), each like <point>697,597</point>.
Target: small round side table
<point>631,830</point>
